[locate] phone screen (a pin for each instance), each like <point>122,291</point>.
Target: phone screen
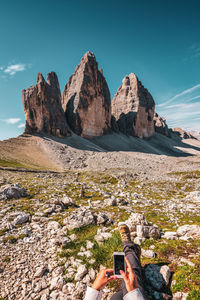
<point>119,264</point>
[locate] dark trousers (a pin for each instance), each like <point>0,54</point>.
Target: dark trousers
<point>134,259</point>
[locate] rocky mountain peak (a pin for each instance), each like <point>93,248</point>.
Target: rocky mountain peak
<point>40,78</point>
<point>42,107</point>
<point>52,81</point>
<point>133,108</point>
<point>86,99</point>
<point>88,55</point>
<point>129,80</point>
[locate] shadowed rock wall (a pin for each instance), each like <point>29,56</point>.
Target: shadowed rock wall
<point>42,107</point>
<point>133,108</point>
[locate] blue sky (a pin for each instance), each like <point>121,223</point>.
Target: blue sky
<point>157,40</point>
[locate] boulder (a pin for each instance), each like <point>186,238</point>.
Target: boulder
<point>102,235</point>
<point>102,218</point>
<point>82,270</point>
<point>92,274</point>
<point>40,271</point>
<point>54,226</point>
<point>133,108</point>
<point>186,261</point>
<point>157,276</point>
<point>86,99</point>
<point>84,217</point>
<point>148,231</point>
<point>110,202</point>
<point>89,245</point>
<point>148,253</point>
<point>21,219</point>
<point>87,253</point>
<point>66,202</point>
<point>81,217</point>
<point>170,235</point>
<point>134,220</point>
<point>165,272</point>
<point>189,231</point>
<point>11,191</point>
<point>115,202</point>
<point>57,283</point>
<point>138,240</point>
<point>43,109</point>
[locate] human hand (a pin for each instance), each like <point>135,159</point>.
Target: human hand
<point>102,280</point>
<point>129,277</point>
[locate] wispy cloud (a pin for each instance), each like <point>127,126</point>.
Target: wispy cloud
<point>195,50</point>
<point>184,105</point>
<point>11,120</point>
<point>1,68</point>
<point>183,109</point>
<point>21,125</point>
<point>13,69</point>
<point>183,93</point>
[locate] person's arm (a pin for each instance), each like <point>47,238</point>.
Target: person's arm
<point>134,295</point>
<point>100,282</point>
<point>130,280</point>
<point>92,294</point>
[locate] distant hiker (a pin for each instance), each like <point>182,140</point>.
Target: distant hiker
<point>132,285</point>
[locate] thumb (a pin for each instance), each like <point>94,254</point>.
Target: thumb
<point>123,275</point>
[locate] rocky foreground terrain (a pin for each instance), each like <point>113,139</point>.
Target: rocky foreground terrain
<point>58,223</point>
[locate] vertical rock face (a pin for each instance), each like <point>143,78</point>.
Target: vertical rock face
<point>42,107</point>
<point>86,99</point>
<point>133,108</point>
<point>160,125</point>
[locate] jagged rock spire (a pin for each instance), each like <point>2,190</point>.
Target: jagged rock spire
<point>86,99</point>
<point>42,107</point>
<point>133,108</point>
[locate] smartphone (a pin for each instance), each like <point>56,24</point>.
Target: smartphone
<point>119,263</point>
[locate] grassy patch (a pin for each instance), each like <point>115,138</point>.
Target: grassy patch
<point>13,239</point>
<point>10,238</point>
<point>187,279</point>
<point>83,234</point>
<point>187,175</point>
<point>6,259</point>
<point>158,218</point>
<point>3,231</point>
<point>166,248</point>
<point>189,218</point>
<point>103,253</point>
<point>11,164</point>
<point>194,295</point>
